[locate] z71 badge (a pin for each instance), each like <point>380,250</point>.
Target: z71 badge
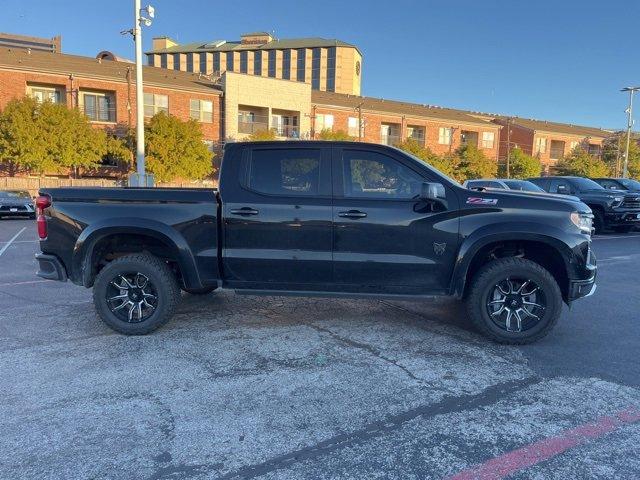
<point>482,201</point>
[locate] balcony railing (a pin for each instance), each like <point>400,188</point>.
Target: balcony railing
<point>288,131</point>
<point>252,127</point>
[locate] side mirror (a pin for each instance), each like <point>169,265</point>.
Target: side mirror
<point>432,192</point>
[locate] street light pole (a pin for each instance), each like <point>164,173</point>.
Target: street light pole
<point>140,178</point>
<point>631,90</point>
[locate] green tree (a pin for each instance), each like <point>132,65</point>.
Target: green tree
<point>260,135</point>
<point>48,137</point>
<point>613,155</point>
<point>176,149</point>
<point>474,164</point>
<point>522,165</point>
<point>444,164</point>
<point>338,135</point>
<point>580,163</point>
<point>21,145</point>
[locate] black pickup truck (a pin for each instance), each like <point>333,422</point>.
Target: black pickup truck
<point>337,219</point>
<point>613,209</point>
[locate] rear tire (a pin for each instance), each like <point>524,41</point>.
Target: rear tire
<point>598,222</point>
<point>538,303</point>
<point>135,294</point>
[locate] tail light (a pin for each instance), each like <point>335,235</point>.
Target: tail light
<point>42,202</point>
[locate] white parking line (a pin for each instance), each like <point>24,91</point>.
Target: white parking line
<point>3,249</point>
<point>615,237</point>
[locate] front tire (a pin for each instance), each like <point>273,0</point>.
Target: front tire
<point>598,222</point>
<point>136,294</point>
<point>514,301</point>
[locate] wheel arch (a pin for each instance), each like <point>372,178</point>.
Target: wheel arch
<point>138,233</point>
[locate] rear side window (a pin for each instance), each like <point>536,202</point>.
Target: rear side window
<point>374,175</point>
<point>285,172</point>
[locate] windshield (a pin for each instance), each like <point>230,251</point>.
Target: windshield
<point>585,184</point>
<point>630,184</point>
<point>523,185</point>
<point>455,182</point>
<point>14,194</point>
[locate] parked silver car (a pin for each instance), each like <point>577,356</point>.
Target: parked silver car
<point>502,184</point>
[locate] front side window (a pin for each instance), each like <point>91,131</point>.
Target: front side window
<point>99,107</point>
<point>375,175</point>
<point>488,139</point>
<point>285,172</point>
<point>201,110</point>
<point>444,135</point>
<point>155,103</point>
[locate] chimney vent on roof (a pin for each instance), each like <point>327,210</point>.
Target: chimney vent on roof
<point>255,38</point>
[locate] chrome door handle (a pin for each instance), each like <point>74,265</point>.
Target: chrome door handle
<point>352,214</point>
<point>244,211</point>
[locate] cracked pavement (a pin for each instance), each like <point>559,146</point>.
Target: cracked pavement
<point>288,388</point>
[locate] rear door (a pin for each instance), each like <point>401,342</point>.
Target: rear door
<point>386,240</point>
<point>277,223</point>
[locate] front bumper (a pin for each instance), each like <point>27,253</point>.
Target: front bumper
<point>622,218</point>
<point>50,267</point>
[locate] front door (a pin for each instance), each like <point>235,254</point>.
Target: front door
<point>277,221</point>
<point>387,240</point>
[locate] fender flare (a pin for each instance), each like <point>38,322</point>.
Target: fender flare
<point>517,231</point>
<point>85,245</point>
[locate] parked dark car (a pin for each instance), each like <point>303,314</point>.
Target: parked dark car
<point>502,183</point>
<point>611,208</point>
<point>16,203</point>
<point>623,184</point>
<point>338,219</point>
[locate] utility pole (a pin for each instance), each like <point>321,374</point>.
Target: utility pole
<point>140,178</point>
<point>629,111</point>
<point>359,109</point>
<point>509,147</point>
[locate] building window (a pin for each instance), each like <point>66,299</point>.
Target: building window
<point>203,62</point>
<point>301,64</point>
<point>445,134</point>
<point>352,127</point>
<point>230,61</point>
<point>150,60</point>
<point>541,145</point>
<point>315,68</point>
<point>331,69</point>
<point>163,60</point>
<point>257,63</point>
<point>99,106</point>
<point>201,110</point>
<point>416,133</point>
<point>154,103</point>
<point>272,63</point>
<point>211,145</point>
<point>216,63</point>
<point>190,62</point>
<point>176,61</point>
<point>324,122</point>
<point>244,60</point>
<point>488,139</point>
<point>45,94</point>
<point>286,64</point>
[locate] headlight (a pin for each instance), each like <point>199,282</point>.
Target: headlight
<point>617,201</point>
<point>584,221</point>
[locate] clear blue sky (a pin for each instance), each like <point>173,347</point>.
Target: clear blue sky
<point>562,60</point>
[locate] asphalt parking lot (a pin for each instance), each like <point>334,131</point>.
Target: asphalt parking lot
<point>286,388</point>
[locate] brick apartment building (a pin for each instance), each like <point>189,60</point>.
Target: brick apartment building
<point>235,105</point>
<point>548,141</point>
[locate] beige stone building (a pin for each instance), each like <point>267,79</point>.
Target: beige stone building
<point>327,64</point>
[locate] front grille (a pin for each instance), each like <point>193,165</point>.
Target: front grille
<point>631,201</point>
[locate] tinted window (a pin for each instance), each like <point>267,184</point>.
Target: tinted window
<point>483,184</point>
<point>523,185</point>
<point>585,184</point>
<point>374,175</point>
<point>543,183</point>
<point>285,172</point>
<point>560,185</point>
<point>630,184</point>
<point>610,184</point>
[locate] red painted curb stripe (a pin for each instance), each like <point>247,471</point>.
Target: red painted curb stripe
<point>529,455</point>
